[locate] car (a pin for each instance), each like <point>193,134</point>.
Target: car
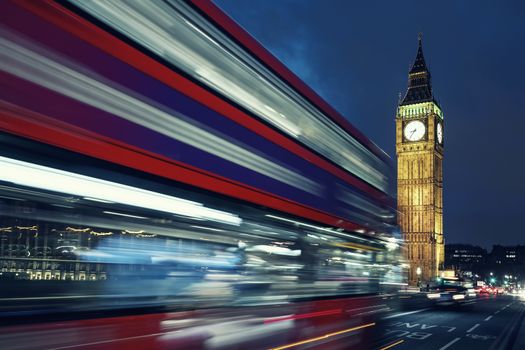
<point>65,252</point>
<point>499,291</point>
<point>69,252</point>
<point>447,295</point>
<point>487,290</point>
<point>484,290</point>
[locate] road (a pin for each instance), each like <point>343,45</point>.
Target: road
<point>382,322</point>
<point>489,322</point>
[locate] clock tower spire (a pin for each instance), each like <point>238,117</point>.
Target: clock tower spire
<point>419,148</point>
<point>419,80</point>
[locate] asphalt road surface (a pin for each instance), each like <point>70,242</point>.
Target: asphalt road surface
<point>395,321</point>
<point>488,322</point>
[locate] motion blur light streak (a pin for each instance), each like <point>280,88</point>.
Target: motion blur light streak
<point>329,230</point>
<point>392,344</point>
<point>302,316</point>
<point>96,200</point>
<point>323,337</point>
<point>320,171</point>
<point>57,73</point>
<point>32,175</point>
<point>228,69</point>
<point>123,214</point>
<point>208,228</point>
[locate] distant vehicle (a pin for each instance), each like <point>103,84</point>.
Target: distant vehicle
<point>499,290</point>
<point>481,290</point>
<point>447,295</point>
<point>68,252</point>
<point>485,290</point>
<point>490,290</point>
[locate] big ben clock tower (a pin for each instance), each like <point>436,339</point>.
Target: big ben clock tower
<point>419,148</point>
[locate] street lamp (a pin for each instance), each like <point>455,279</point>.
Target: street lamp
<point>418,273</point>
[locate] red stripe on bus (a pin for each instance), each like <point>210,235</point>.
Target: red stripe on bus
<point>45,129</point>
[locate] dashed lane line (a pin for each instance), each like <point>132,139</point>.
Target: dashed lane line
<point>446,346</point>
<point>404,314</point>
<point>473,327</point>
<point>488,318</point>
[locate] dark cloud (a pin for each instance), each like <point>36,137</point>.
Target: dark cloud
<point>356,55</point>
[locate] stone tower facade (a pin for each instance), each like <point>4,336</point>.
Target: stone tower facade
<point>419,148</point>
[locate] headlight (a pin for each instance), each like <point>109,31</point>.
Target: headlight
<point>458,296</point>
<point>433,295</point>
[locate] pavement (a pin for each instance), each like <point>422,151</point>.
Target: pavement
<point>519,343</point>
<point>488,322</point>
<point>393,321</point>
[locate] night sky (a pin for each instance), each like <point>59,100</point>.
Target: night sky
<point>356,54</point>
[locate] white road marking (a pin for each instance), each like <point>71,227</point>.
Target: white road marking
<point>450,329</point>
<point>479,336</point>
<point>473,327</point>
<point>488,318</point>
<point>449,344</point>
<point>497,312</point>
<point>403,314</point>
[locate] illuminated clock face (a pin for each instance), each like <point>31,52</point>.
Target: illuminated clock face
<point>414,130</point>
<point>439,133</point>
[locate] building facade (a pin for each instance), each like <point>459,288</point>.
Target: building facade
<point>507,255</point>
<point>465,258</point>
<point>419,148</point>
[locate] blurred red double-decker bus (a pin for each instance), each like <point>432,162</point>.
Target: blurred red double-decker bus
<point>155,156</point>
